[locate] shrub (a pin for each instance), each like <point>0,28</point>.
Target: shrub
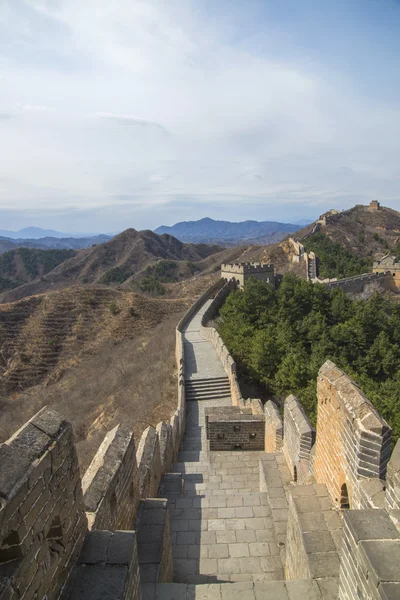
<point>115,275</point>
<point>114,309</point>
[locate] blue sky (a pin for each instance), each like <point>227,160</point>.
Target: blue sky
<point>137,113</point>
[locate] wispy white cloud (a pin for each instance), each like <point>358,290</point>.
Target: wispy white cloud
<point>155,101</point>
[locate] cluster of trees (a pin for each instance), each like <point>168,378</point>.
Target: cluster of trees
<point>22,265</point>
<point>334,259</point>
<point>164,271</point>
<point>281,337</point>
<point>115,275</point>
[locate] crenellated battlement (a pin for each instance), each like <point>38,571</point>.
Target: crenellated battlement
<point>247,268</point>
<point>241,272</point>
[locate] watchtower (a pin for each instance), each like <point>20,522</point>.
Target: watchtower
<point>241,272</point>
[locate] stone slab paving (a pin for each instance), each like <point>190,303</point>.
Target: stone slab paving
<point>221,527</point>
<point>201,359</point>
<point>273,590</point>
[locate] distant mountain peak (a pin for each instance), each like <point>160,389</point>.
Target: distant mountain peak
<point>208,230</point>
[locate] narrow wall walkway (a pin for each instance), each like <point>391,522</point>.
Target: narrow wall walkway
<point>201,359</point>
<point>222,528</point>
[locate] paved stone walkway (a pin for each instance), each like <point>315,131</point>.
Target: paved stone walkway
<point>201,359</point>
<point>222,528</point>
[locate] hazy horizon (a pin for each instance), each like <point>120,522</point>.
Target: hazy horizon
<point>39,229</point>
<point>141,113</point>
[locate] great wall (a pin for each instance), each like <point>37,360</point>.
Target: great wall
<point>226,500</point>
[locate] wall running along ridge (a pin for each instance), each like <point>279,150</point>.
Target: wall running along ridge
<point>47,549</point>
<point>357,283</point>
<point>212,335</point>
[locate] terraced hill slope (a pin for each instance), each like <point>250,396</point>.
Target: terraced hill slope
<point>99,355</point>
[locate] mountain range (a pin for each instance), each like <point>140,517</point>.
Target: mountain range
<point>209,231</point>
<point>54,243</point>
<point>36,233</point>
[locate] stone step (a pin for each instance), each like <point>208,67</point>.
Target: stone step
<point>204,388</point>
<point>205,380</point>
<point>208,396</point>
<point>208,390</point>
<point>241,590</point>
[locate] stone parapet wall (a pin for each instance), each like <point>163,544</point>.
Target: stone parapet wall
<point>42,516</point>
<point>154,542</point>
<point>357,283</point>
<point>314,535</point>
<point>209,293</point>
<point>370,558</point>
<point>149,463</point>
<point>299,437</point>
<point>298,249</point>
<point>275,479</point>
<point>110,484</point>
<point>393,479</point>
<point>247,268</point>
<point>353,441</point>
<point>236,432</point>
<point>273,428</point>
<point>108,568</point>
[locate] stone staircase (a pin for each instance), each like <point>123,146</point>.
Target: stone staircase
<point>207,389</point>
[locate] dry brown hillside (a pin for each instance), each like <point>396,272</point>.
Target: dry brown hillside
<point>115,262</point>
<point>360,230</point>
<point>99,356</point>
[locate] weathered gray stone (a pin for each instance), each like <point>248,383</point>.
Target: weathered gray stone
<point>389,591</point>
<point>121,548</point>
<point>95,548</point>
<point>49,421</point>
<point>14,467</point>
<point>370,525</point>
<point>318,541</point>
<point>95,582</point>
<point>30,442</point>
<point>382,559</point>
<point>301,590</point>
<point>329,588</point>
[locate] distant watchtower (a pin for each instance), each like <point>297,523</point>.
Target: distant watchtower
<point>374,205</point>
<point>241,272</point>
